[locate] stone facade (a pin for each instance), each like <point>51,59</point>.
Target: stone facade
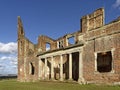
<point>90,55</point>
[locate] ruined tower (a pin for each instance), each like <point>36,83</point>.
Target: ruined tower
<point>21,42</point>
<point>27,59</point>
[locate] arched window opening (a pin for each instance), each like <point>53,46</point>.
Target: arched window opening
<point>32,69</point>
<point>71,41</point>
<point>47,46</point>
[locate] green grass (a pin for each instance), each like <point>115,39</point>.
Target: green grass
<point>14,85</point>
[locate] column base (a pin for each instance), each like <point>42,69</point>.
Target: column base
<point>40,78</point>
<point>70,79</point>
<point>52,79</point>
<point>61,79</point>
<point>81,81</point>
<point>46,78</point>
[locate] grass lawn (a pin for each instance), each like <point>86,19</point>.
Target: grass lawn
<point>14,85</point>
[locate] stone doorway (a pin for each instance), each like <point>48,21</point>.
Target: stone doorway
<point>75,66</point>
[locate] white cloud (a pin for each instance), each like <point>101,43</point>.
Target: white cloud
<point>8,48</point>
<point>13,58</point>
<point>14,63</point>
<point>117,4</point>
<point>48,48</point>
<point>1,67</point>
<point>8,58</point>
<point>8,64</point>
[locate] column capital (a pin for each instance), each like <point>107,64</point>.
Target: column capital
<point>69,52</point>
<point>51,56</point>
<point>61,54</point>
<point>45,57</point>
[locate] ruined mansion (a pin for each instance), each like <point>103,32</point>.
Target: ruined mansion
<point>93,56</point>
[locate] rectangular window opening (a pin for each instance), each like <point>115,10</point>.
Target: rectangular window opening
<point>60,44</point>
<point>104,62</point>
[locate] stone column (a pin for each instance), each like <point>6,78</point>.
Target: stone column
<point>61,68</point>
<point>45,68</point>
<point>52,68</point>
<point>81,79</point>
<point>95,62</point>
<point>39,73</point>
<point>70,66</point>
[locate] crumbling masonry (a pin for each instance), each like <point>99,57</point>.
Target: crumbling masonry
<point>93,56</point>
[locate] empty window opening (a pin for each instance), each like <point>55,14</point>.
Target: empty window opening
<point>47,46</point>
<point>71,40</point>
<point>104,61</point>
<point>60,44</point>
<point>32,69</point>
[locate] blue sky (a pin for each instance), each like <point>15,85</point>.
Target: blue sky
<point>53,18</point>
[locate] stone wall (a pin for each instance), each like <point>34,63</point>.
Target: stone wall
<point>96,39</point>
<point>103,39</point>
<point>93,20</point>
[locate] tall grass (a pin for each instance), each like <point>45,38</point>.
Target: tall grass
<point>14,85</point>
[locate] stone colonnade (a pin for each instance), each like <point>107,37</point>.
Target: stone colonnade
<point>51,55</point>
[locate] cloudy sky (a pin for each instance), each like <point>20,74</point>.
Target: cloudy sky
<point>8,58</point>
<point>53,18</point>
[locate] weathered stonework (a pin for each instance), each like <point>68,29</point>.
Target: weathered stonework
<point>94,57</point>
